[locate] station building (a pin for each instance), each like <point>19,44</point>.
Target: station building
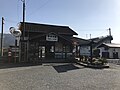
<point>43,41</point>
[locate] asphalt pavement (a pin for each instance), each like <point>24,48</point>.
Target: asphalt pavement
<point>59,76</point>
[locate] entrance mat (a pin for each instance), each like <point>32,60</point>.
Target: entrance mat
<point>65,68</point>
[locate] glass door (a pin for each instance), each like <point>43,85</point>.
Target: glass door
<point>41,52</point>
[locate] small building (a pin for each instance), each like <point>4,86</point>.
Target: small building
<point>43,41</point>
<point>100,40</point>
<point>110,50</point>
<point>83,46</point>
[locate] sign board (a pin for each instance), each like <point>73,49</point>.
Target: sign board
<point>15,49</point>
<point>51,37</point>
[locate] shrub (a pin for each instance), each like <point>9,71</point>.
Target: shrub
<point>96,62</point>
<point>103,61</point>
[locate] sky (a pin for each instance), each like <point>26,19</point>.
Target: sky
<point>89,18</point>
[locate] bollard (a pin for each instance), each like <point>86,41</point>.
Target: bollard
<point>9,56</point>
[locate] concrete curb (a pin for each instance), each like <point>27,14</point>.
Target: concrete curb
<point>93,66</point>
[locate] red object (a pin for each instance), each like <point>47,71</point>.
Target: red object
<point>9,55</point>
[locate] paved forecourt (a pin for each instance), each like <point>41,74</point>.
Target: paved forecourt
<point>63,76</point>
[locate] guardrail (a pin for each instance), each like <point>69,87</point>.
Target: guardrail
<point>114,61</point>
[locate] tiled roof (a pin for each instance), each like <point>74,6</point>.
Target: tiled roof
<point>112,45</point>
<point>45,28</point>
<point>99,39</point>
<point>80,41</point>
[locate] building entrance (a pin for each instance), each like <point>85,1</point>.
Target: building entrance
<point>49,51</point>
<point>115,55</point>
<point>46,51</point>
<point>41,52</point>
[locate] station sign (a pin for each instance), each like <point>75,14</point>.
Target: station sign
<point>51,37</point>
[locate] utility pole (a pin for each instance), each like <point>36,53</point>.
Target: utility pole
<point>24,29</point>
<point>109,33</point>
<point>23,54</point>
<point>2,37</point>
<point>90,36</point>
<point>23,18</point>
<point>91,52</point>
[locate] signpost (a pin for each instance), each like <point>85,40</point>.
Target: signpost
<point>17,34</point>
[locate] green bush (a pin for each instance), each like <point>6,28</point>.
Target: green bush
<point>97,62</point>
<point>103,61</point>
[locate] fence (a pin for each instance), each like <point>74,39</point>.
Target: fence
<point>114,61</point>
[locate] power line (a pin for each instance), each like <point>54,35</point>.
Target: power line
<point>96,30</point>
<point>27,2</point>
<point>10,21</point>
<point>47,1</point>
<point>18,9</point>
<point>85,34</point>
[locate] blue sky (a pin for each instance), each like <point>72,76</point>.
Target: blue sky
<point>83,16</point>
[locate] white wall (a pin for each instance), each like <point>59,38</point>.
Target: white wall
<point>110,50</point>
<point>102,50</point>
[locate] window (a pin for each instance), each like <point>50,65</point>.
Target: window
<point>67,48</point>
<point>52,49</point>
<point>106,48</point>
<point>58,47</point>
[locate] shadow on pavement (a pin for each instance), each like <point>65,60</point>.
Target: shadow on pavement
<point>65,68</point>
<point>14,65</point>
